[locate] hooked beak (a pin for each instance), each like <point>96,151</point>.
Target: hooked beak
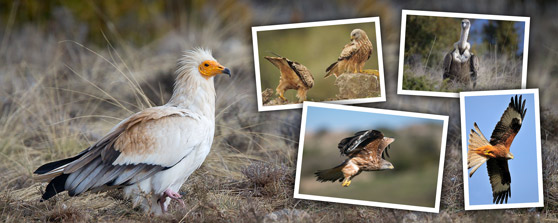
<point>227,71</point>
<point>509,156</point>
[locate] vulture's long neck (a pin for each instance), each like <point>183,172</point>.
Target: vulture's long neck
<point>463,39</point>
<point>195,93</point>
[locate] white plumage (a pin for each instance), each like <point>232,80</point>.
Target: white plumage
<point>152,152</point>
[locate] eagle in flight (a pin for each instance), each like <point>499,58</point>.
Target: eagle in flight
<point>365,151</point>
<point>496,152</point>
<point>293,76</point>
<point>353,56</point>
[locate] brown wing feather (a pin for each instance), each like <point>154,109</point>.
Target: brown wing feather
<point>509,123</point>
<point>500,180</point>
<point>348,51</point>
<point>302,72</point>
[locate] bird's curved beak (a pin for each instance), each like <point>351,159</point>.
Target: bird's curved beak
<point>227,71</point>
<point>509,156</point>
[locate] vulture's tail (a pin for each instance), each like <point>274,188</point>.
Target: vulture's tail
<point>476,140</point>
<point>54,171</point>
<point>332,174</point>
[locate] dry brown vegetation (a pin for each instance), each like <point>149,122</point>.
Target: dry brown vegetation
<point>60,93</point>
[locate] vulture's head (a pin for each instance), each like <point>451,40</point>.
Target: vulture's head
<point>199,62</point>
<point>465,24</point>
<point>358,34</point>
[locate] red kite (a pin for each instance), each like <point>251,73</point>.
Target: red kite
<point>366,153</point>
<point>496,152</point>
<point>353,56</point>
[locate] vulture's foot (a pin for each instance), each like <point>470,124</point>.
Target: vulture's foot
<point>172,195</point>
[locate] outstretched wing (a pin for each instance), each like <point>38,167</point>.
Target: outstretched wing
<point>358,141</point>
<point>500,180</point>
<point>150,141</point>
<point>509,123</point>
<point>302,72</point>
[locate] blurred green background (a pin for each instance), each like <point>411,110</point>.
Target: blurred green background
<point>415,154</point>
<point>314,47</point>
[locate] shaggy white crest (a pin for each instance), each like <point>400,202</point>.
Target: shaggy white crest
<point>192,59</point>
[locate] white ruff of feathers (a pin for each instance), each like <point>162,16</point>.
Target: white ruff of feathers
<point>192,91</point>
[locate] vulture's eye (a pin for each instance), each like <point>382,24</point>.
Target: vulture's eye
<point>207,65</point>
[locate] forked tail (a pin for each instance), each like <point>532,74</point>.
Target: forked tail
<point>476,140</point>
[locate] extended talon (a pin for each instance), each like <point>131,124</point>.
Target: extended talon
<point>282,97</point>
<point>346,183</point>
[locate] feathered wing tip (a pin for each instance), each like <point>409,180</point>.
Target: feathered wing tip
<point>333,174</point>
<point>476,140</point>
<point>518,105</point>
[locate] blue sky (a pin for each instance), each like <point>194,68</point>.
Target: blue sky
<point>343,120</point>
<point>477,26</point>
<point>523,168</point>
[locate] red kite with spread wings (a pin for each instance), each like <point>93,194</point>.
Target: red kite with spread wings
<point>366,153</point>
<point>496,152</point>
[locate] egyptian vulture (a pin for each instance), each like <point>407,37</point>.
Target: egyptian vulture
<point>293,76</point>
<point>151,153</point>
<point>496,152</point>
<point>460,65</point>
<point>365,151</point>
<point>353,56</point>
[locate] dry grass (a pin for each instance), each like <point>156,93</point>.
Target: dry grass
<point>495,73</point>
<point>58,97</point>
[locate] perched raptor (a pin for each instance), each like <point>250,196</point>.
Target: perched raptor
<point>365,151</point>
<point>460,65</point>
<point>353,56</point>
<point>293,76</point>
<point>496,152</point>
<point>151,153</point>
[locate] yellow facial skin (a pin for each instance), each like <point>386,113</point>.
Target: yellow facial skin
<point>210,68</point>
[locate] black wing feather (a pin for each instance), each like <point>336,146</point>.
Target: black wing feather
<point>359,140</point>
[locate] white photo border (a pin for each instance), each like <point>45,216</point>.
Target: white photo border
<point>404,15</point>
<point>443,118</point>
<point>462,96</point>
<point>375,20</point>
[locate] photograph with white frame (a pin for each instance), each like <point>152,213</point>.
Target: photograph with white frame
<point>317,47</point>
<point>513,178</point>
<point>445,53</point>
<point>410,177</point>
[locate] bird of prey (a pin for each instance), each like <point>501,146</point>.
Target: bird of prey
<point>293,76</point>
<point>151,153</point>
<point>365,151</point>
<point>460,65</point>
<point>496,152</point>
<point>353,56</point>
